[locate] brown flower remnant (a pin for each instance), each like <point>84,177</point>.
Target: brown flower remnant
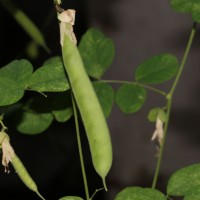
<point>8,153</point>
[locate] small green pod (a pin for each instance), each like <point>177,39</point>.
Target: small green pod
<point>24,175</point>
<point>90,109</point>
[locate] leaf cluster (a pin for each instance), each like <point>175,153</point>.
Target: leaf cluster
<point>182,183</point>
<point>97,52</point>
<point>36,114</point>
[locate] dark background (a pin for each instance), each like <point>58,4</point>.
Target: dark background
<point>139,29</point>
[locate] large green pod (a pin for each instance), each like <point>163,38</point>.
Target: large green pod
<point>90,109</point>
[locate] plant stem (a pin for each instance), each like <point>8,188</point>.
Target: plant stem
<point>136,83</point>
<point>169,103</point>
<point>2,124</point>
<point>187,50</point>
<point>80,149</point>
<point>161,150</point>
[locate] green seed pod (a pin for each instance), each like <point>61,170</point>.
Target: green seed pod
<point>24,175</point>
<point>90,109</point>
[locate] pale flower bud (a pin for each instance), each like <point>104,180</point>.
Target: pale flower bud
<point>67,16</point>
<point>159,132</point>
<point>67,20</point>
<point>8,153</point>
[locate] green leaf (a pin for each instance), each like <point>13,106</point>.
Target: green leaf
<point>184,181</point>
<point>105,94</point>
<point>138,193</point>
<point>157,69</point>
<point>26,23</point>
<point>35,117</point>
<point>194,194</point>
<point>53,60</point>
<point>97,52</point>
<point>10,91</point>
<point>63,115</point>
<point>61,106</point>
<point>157,112</point>
<point>34,123</point>
<point>18,71</point>
<point>130,98</point>
<point>14,78</point>
<point>187,6</point>
<point>49,78</point>
<point>71,198</point>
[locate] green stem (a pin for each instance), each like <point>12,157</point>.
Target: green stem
<point>169,103</point>
<point>80,150</point>
<point>187,50</point>
<point>97,190</point>
<point>2,125</point>
<point>136,83</point>
<point>160,156</point>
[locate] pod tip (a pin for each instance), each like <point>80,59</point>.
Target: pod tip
<point>104,184</point>
<point>40,195</point>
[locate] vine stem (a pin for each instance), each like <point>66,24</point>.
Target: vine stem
<point>136,83</point>
<point>80,149</point>
<point>169,103</point>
